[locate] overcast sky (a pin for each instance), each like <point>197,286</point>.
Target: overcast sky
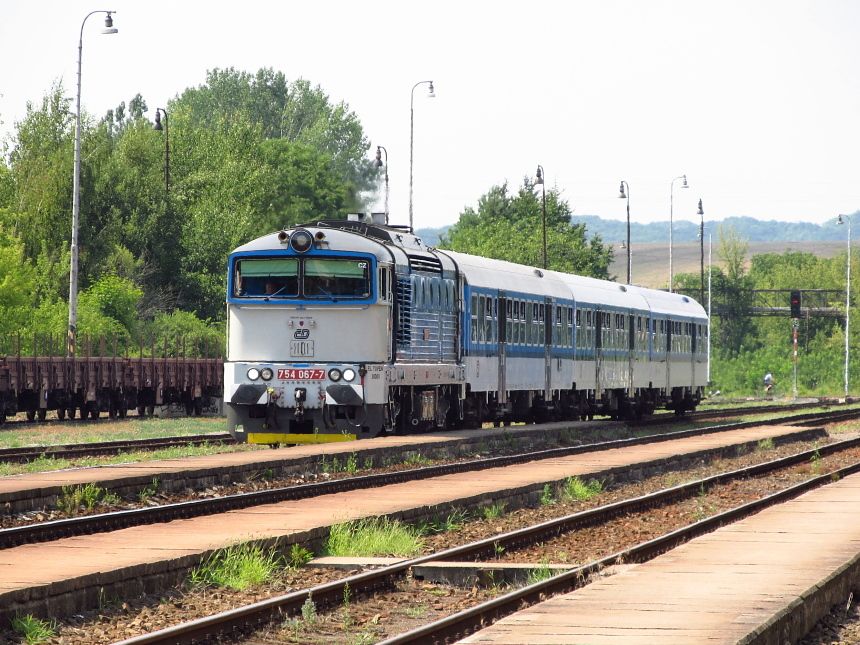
<point>757,101</point>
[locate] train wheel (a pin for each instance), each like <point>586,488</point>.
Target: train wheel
<point>150,410</point>
<point>31,415</point>
<point>42,413</point>
<point>61,413</point>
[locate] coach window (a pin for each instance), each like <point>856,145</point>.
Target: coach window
<point>490,337</point>
<point>474,318</point>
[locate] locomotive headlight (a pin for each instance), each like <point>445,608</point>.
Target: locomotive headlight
<point>334,374</point>
<point>266,373</point>
<point>348,374</point>
<point>301,241</point>
<point>253,374</point>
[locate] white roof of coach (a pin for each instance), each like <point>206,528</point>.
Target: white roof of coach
<point>595,291</point>
<point>508,276</point>
<point>664,302</point>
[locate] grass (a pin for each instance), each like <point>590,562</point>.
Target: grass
<point>104,430</point>
<point>453,522</point>
<point>88,496</point>
<point>34,630</point>
<point>299,556</point>
<point>373,537</point>
<point>540,573</point>
<point>237,567</point>
<point>547,498</point>
<point>494,511</point>
<point>416,459</point>
<point>765,444</point>
<point>574,489</point>
<point>44,464</point>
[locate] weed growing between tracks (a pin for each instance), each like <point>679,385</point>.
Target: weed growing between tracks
<point>373,537</point>
<point>34,630</point>
<point>87,496</point>
<point>237,567</point>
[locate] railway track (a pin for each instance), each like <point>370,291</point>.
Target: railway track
<point>463,623</point>
<point>57,529</point>
<point>78,450</point>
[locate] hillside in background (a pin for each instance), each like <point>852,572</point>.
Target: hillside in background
<point>748,228</point>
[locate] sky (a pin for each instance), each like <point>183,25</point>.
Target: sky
<point>756,101</point>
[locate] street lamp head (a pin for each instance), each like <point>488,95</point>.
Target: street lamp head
<point>621,193</point>
<point>539,176</point>
<point>839,219</point>
<point>700,211</point>
<point>378,157</point>
<point>684,183</point>
<point>431,94</point>
<point>158,125</point>
<point>109,28</point>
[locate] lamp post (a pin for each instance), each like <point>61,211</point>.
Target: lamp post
<point>671,207</point>
<point>626,195</point>
<point>846,219</point>
<point>709,308</point>
<point>76,193</point>
<point>701,213</point>
<point>430,94</point>
<point>158,126</point>
<point>379,151</point>
<point>539,179</point>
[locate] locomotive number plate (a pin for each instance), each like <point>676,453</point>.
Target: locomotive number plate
<point>294,374</point>
<point>302,348</point>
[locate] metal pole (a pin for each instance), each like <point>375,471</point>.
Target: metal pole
<point>629,251</point>
<point>709,307</point>
<point>411,140</point>
<point>543,209</point>
<point>702,257</point>
<point>847,307</point>
<point>166,152</point>
<point>671,218</point>
<point>76,204</point>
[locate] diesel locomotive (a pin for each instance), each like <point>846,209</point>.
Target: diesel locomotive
<point>344,329</point>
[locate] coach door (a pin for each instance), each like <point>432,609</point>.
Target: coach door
<point>504,314</point>
<point>669,331</point>
<point>547,351</point>
<point>598,352</point>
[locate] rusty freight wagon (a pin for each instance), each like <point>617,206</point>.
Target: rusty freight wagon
<point>98,380</point>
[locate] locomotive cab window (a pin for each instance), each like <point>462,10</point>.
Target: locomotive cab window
<point>338,278</point>
<point>264,278</point>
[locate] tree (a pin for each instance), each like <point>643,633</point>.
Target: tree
<point>510,227</point>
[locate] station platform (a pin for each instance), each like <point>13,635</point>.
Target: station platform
<point>60,577</point>
<point>767,579</point>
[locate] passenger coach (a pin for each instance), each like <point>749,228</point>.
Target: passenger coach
<point>351,328</point>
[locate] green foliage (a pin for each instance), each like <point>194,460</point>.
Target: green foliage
<point>493,511</point>
<point>299,556</point>
<point>88,496</point>
<point>236,567</point>
<point>547,497</point>
<point>540,573</point>
<point>576,489</point>
<point>373,537</point>
<point>509,227</point>
<point>248,154</point>
<point>34,630</point>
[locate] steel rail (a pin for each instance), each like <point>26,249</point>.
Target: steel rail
<point>103,522</point>
<point>329,594</point>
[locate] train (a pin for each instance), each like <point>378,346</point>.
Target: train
<point>345,329</point>
<point>97,381</point>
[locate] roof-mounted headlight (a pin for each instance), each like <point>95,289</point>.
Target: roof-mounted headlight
<point>301,241</point>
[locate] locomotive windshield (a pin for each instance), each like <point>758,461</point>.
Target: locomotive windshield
<point>330,278</point>
<point>317,278</point>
